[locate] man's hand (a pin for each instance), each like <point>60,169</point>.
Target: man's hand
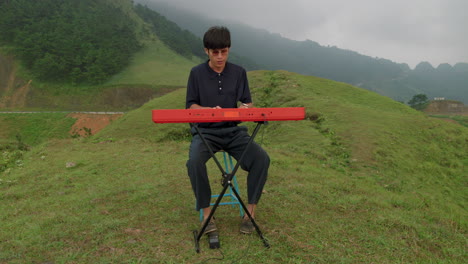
<point>249,105</point>
<point>196,106</point>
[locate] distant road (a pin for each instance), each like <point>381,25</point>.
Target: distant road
<point>63,112</point>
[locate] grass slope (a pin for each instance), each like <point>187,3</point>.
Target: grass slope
<point>33,129</point>
<point>363,180</point>
<point>157,65</point>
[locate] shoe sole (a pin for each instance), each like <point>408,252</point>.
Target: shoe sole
<point>207,231</point>
<point>246,232</point>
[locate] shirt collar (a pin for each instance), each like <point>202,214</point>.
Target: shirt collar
<point>214,74</point>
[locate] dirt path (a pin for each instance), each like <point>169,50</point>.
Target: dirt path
<point>14,89</point>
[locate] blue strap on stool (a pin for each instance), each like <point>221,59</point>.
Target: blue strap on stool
<point>234,201</point>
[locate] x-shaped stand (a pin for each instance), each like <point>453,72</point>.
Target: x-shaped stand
<point>227,178</point>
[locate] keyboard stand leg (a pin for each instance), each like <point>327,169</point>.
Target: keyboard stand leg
<point>227,178</point>
<point>265,242</point>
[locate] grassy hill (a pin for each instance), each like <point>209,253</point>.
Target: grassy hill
<point>364,179</point>
<point>156,65</point>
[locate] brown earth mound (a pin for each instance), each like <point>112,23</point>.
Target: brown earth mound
<point>446,107</point>
<point>90,124</point>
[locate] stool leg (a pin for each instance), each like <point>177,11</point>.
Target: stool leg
<point>229,167</point>
<point>201,215</point>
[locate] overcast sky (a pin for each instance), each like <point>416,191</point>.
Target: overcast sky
<point>404,31</point>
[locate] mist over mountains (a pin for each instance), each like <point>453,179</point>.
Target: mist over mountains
<point>272,52</point>
<point>89,42</point>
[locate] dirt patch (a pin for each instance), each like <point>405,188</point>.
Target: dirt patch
<point>446,107</point>
<point>449,120</point>
<point>13,90</point>
<point>90,124</point>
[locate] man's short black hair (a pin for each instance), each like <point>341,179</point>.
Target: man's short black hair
<point>217,38</point>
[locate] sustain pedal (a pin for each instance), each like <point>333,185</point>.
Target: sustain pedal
<point>213,240</point>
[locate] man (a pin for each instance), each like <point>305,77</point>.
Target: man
<point>220,84</point>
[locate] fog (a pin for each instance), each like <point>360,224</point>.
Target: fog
<point>400,30</point>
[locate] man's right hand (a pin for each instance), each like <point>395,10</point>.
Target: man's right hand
<point>196,106</point>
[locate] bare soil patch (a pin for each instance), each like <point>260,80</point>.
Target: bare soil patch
<point>90,124</point>
<point>446,107</point>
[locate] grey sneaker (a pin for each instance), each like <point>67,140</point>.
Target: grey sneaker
<point>246,226</point>
<point>211,227</point>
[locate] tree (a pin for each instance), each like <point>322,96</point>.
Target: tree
<point>418,101</point>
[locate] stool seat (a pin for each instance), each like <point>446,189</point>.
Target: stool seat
<point>228,164</point>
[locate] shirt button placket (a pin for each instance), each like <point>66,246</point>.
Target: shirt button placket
<point>220,88</point>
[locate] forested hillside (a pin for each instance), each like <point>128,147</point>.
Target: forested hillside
<point>395,80</point>
<point>183,42</point>
<point>88,42</point>
<point>83,41</point>
<point>85,55</point>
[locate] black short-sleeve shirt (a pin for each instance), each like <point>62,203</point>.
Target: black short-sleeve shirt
<point>208,88</point>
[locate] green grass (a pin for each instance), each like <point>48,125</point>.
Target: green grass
<point>33,129</point>
<point>461,119</point>
<point>156,64</point>
<point>21,131</point>
<point>363,179</point>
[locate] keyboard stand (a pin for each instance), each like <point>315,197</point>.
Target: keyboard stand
<point>227,178</point>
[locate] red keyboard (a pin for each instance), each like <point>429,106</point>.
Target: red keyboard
<point>228,114</point>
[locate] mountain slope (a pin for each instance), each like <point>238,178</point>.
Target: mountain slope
<point>395,80</point>
<point>85,68</point>
<point>154,69</point>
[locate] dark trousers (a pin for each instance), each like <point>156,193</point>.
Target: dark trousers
<point>232,140</point>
